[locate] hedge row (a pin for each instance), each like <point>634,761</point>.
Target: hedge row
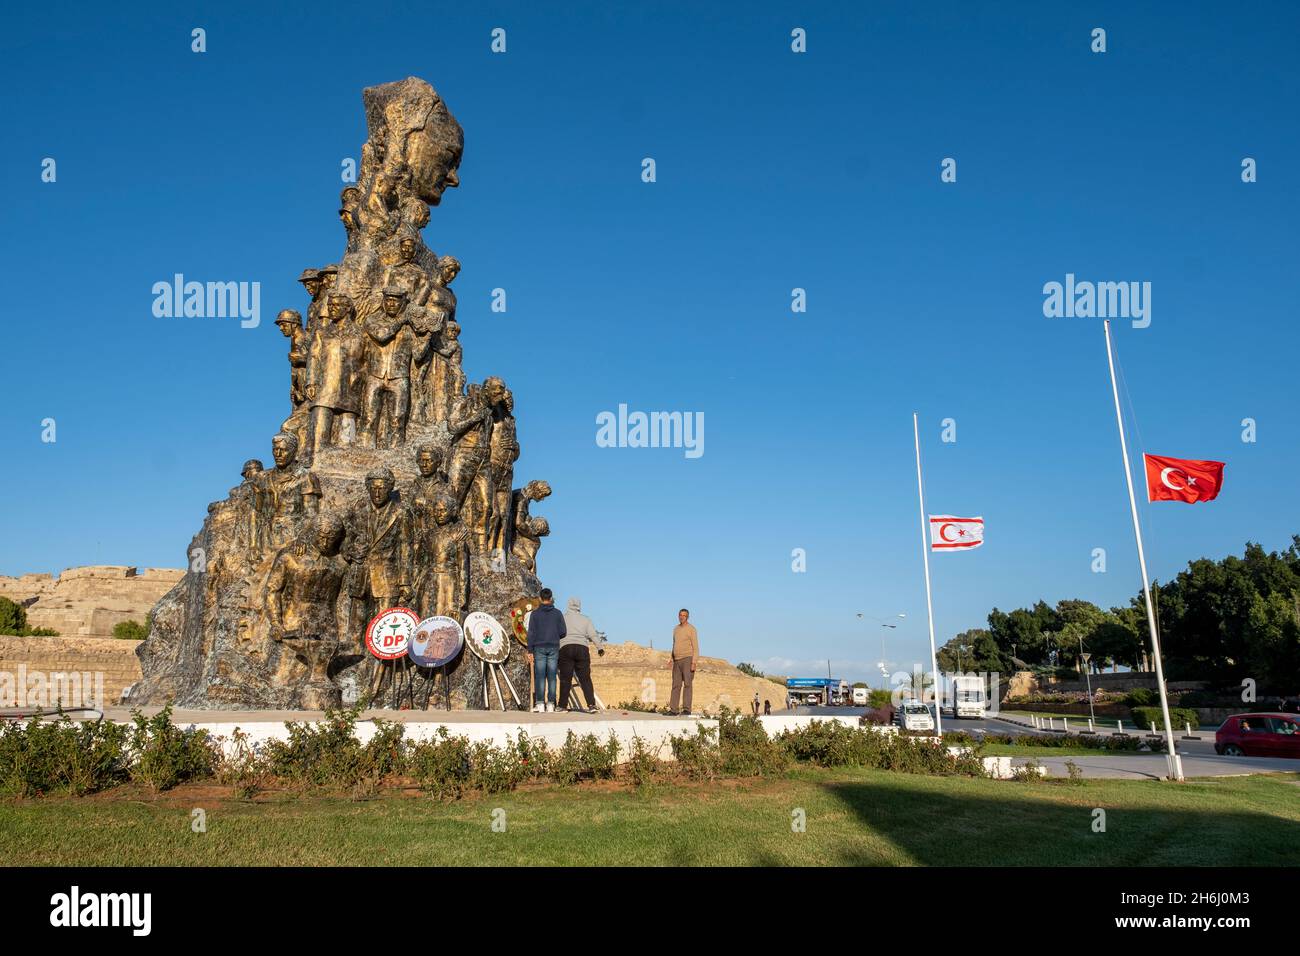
<point>77,758</point>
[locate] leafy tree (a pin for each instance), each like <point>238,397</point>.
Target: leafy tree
<point>1025,630</point>
<point>973,650</point>
<point>13,617</point>
<point>749,669</point>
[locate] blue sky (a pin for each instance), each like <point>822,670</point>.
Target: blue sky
<point>775,170</point>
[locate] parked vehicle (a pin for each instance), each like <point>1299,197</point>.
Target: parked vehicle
<point>1259,735</point>
<point>913,715</point>
<point>861,695</point>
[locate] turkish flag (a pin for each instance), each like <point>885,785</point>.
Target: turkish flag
<point>1182,479</point>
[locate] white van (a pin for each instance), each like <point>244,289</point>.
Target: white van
<point>861,695</point>
<point>913,715</point>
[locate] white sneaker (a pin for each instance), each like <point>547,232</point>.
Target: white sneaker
<point>550,708</point>
<point>537,708</point>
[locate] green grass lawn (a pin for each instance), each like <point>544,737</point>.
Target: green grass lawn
<point>1029,750</point>
<point>852,817</point>
<point>1077,721</point>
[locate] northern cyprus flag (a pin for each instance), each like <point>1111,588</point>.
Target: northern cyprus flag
<point>949,533</point>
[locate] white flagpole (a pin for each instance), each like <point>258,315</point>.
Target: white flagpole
<point>1172,757</point>
<point>929,607</point>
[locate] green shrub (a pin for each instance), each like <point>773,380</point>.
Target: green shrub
<point>879,698</point>
<point>130,631</point>
<point>747,751</point>
<point>13,617</point>
<point>698,756</point>
<point>328,754</point>
<point>1140,697</point>
<point>162,755</point>
<point>640,707</point>
<point>241,767</point>
<point>643,764</point>
<point>584,758</point>
<point>440,766</point>
<point>1179,716</point>
<point>13,621</point>
<point>832,744</point>
<point>74,757</point>
<point>496,769</point>
<point>1029,771</point>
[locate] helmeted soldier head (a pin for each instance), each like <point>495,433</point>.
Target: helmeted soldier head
<point>288,320</point>
<point>394,301</point>
<point>311,281</point>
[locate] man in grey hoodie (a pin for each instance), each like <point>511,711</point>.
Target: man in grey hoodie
<point>575,654</point>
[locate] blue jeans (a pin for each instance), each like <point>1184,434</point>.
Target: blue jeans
<point>546,661</point>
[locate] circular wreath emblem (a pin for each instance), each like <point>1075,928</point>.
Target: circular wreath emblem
<point>389,632</point>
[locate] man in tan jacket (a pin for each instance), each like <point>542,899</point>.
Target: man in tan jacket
<point>686,647</point>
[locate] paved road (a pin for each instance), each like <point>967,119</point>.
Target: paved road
<point>1154,766</point>
<point>1199,758</point>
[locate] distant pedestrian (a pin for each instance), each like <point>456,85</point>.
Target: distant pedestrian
<point>686,647</point>
<point>754,704</point>
<point>767,708</point>
<point>545,631</point>
<point>575,654</point>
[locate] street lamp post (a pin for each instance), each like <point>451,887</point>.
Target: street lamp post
<point>884,672</point>
<point>1087,673</point>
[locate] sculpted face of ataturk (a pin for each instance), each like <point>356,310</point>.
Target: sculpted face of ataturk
<point>412,129</point>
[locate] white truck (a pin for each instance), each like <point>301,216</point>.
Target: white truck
<point>969,698</point>
<point>861,695</point>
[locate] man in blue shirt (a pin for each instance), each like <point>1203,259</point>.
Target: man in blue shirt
<point>545,631</point>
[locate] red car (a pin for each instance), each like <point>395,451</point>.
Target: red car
<point>1259,735</point>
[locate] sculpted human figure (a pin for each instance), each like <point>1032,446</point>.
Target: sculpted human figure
<point>301,599</point>
<point>446,379</point>
<point>407,274</point>
<point>470,425</point>
<point>388,372</point>
<point>289,321</point>
<point>416,144</point>
<point>347,213</point>
<point>450,562</point>
<point>248,497</point>
<point>427,487</point>
<point>329,277</point>
<point>311,281</point>
<point>287,497</point>
<point>493,483</point>
<point>528,531</point>
<point>334,377</point>
<point>380,532</point>
<point>413,216</point>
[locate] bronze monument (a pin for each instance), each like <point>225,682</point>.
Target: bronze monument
<point>393,478</point>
